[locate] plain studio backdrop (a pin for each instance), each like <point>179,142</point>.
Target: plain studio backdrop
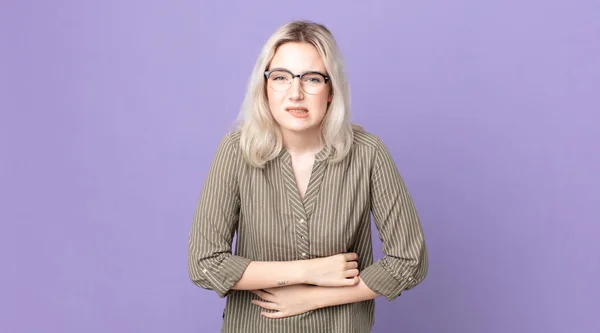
<point>111,112</point>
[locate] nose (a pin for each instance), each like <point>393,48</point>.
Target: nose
<point>296,92</point>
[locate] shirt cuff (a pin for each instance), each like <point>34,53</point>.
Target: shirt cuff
<point>381,281</point>
<point>227,274</point>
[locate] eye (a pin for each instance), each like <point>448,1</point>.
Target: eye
<point>313,79</point>
<point>279,76</point>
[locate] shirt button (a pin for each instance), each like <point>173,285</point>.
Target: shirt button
<point>204,270</point>
<point>303,254</point>
<point>302,221</point>
<point>302,237</point>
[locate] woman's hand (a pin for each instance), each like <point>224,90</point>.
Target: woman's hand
<point>286,301</point>
<point>334,271</point>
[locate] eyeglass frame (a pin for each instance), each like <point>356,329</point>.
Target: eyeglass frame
<point>325,77</point>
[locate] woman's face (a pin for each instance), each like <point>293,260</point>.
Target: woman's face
<point>295,109</point>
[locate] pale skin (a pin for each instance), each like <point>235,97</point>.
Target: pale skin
<point>294,287</point>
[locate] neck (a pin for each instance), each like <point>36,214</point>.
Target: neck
<point>302,143</point>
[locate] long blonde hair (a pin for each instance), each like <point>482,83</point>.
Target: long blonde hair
<point>261,139</point>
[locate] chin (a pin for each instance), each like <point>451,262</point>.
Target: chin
<point>297,128</point>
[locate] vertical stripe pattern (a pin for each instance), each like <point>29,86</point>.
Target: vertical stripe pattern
<point>273,223</point>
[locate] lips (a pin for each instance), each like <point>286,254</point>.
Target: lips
<point>296,109</point>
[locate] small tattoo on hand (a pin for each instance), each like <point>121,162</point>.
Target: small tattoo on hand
<point>282,283</point>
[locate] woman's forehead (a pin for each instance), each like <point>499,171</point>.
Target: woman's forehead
<point>298,58</point>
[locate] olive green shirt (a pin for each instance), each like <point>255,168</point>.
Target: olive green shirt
<point>273,224</point>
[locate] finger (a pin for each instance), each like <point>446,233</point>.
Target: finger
<point>351,273</point>
<point>268,291</point>
<point>265,305</point>
<point>264,295</point>
<point>351,282</point>
<point>351,264</point>
<point>350,256</point>
<point>273,315</point>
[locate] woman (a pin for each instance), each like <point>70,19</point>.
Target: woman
<point>298,182</point>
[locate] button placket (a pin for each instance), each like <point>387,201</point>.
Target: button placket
<point>302,230</point>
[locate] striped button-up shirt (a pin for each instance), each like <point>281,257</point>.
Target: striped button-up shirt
<point>272,222</point>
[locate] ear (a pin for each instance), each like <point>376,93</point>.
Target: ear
<point>330,98</point>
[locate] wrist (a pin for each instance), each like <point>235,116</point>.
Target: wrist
<point>314,298</point>
<point>303,272</point>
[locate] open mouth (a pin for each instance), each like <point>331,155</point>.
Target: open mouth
<point>296,110</point>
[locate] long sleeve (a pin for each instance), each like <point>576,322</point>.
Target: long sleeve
<point>404,264</point>
<point>210,262</point>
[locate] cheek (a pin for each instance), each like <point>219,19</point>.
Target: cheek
<point>274,100</point>
<point>320,103</point>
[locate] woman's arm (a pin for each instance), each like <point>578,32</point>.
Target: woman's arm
<point>330,296</point>
<point>266,274</point>
<point>404,264</point>
<point>336,270</point>
<point>293,300</point>
<point>211,264</point>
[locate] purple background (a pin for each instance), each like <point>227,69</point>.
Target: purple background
<point>111,112</point>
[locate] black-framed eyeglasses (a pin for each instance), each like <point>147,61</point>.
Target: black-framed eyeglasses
<point>280,79</point>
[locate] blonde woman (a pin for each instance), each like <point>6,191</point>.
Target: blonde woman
<point>297,183</point>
